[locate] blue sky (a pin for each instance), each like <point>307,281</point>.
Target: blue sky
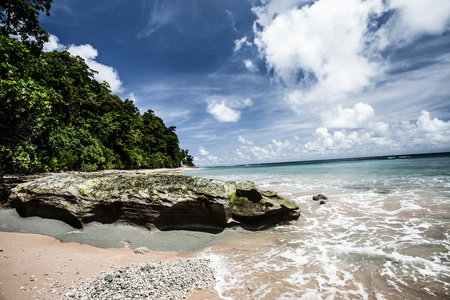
<point>268,81</point>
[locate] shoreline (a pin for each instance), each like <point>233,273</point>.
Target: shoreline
<point>36,266</point>
<point>110,171</point>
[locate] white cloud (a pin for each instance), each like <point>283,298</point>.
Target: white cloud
<point>89,54</point>
<point>320,51</point>
<point>238,44</point>
<point>340,117</point>
<point>224,110</point>
<point>223,113</point>
<point>250,66</point>
<point>417,17</point>
<point>247,102</point>
<point>426,124</point>
<point>244,141</point>
<point>328,51</point>
<point>426,134</point>
<point>203,151</point>
<point>105,73</point>
<point>53,44</point>
<point>206,158</point>
<point>132,97</point>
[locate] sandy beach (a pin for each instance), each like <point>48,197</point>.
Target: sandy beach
<point>35,266</point>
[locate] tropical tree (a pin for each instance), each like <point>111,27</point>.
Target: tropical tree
<point>55,116</point>
<point>24,104</point>
<point>21,18</point>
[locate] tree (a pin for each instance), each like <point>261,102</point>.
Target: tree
<point>55,116</point>
<point>23,106</point>
<point>186,158</point>
<point>21,18</point>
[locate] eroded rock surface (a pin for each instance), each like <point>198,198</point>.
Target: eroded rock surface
<point>164,201</point>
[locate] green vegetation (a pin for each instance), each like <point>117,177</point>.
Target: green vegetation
<point>55,116</point>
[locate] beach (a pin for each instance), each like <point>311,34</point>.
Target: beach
<point>383,233</point>
<point>39,266</point>
<point>36,266</point>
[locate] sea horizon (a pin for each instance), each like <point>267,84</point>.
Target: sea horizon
<point>344,158</point>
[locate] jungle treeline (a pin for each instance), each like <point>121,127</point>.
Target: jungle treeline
<point>55,116</point>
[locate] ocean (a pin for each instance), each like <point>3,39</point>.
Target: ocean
<point>384,233</point>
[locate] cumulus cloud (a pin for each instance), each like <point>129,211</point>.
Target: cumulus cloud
<point>320,51</point>
<point>206,157</point>
<point>89,54</point>
<point>417,17</point>
<point>105,73</point>
<point>326,51</point>
<point>281,144</point>
<point>425,134</point>
<point>53,44</point>
<point>223,113</point>
<point>340,117</point>
<point>203,151</point>
<point>224,110</point>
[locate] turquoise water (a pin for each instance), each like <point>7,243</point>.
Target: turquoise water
<point>384,234</point>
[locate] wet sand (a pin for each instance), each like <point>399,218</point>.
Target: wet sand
<point>35,266</point>
<point>38,266</point>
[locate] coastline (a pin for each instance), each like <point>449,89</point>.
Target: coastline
<point>36,266</point>
<point>46,261</point>
<point>110,171</point>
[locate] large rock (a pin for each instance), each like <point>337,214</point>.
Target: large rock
<point>164,201</point>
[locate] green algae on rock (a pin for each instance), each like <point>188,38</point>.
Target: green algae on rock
<point>165,201</point>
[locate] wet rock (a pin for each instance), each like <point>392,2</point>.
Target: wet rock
<point>164,201</point>
<point>320,197</point>
<point>257,210</point>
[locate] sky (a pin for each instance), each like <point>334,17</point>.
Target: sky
<point>255,81</point>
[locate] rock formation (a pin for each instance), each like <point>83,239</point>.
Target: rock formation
<point>323,199</point>
<point>164,201</point>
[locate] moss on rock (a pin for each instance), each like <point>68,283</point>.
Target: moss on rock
<point>167,201</point>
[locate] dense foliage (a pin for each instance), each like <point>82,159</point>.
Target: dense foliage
<point>55,116</point>
<point>21,18</point>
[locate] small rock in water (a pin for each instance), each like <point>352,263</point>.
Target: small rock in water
<point>320,197</point>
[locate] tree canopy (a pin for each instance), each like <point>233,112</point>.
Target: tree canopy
<point>55,116</point>
<point>21,18</point>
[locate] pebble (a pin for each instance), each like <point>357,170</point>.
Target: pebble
<point>162,280</point>
<point>139,251</point>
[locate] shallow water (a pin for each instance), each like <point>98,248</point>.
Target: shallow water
<point>384,233</point>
